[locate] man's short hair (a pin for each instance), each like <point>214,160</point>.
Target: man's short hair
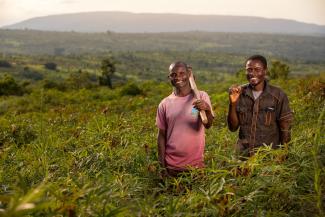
<point>176,65</point>
<point>260,58</point>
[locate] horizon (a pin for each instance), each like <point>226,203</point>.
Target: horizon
<point>161,13</point>
<point>310,12</point>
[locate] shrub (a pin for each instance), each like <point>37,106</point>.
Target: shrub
<point>8,86</point>
<point>131,89</point>
<point>33,75</point>
<point>50,66</point>
<point>22,134</point>
<point>279,70</point>
<point>50,84</point>
<point>80,79</point>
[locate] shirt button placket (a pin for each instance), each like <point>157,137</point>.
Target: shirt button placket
<point>254,120</point>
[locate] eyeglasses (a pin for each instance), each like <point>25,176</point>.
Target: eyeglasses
<point>257,70</point>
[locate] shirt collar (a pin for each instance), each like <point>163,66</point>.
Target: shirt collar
<point>249,90</point>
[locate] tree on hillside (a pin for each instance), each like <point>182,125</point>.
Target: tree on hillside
<point>8,86</point>
<point>108,69</point>
<point>279,70</point>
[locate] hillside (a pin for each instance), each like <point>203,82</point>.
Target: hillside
<point>149,22</point>
<point>298,48</point>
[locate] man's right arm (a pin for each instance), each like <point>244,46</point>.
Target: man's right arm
<point>161,140</point>
<point>285,119</point>
<point>233,121</point>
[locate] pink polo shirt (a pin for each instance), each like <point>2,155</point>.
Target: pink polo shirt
<point>185,131</point>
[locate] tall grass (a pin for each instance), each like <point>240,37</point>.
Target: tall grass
<point>318,165</point>
<point>93,153</point>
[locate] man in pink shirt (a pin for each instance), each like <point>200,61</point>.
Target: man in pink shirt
<point>181,137</point>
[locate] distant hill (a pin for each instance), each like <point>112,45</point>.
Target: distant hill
<point>126,22</point>
<point>35,42</point>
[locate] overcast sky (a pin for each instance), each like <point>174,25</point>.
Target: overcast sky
<point>309,11</point>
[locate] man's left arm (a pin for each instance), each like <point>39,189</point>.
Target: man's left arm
<point>285,118</point>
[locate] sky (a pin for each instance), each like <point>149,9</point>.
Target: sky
<point>309,11</point>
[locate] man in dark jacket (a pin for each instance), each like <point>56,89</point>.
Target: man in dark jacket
<point>260,111</point>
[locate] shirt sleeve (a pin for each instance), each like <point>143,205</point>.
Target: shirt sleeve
<point>285,113</point>
<point>161,117</point>
<point>206,98</point>
<point>285,119</point>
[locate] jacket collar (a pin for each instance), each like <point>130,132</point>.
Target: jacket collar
<point>248,90</point>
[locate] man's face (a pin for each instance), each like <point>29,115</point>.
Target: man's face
<point>179,77</point>
<point>255,72</point>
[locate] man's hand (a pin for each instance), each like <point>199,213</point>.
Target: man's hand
<point>234,93</point>
<point>200,104</point>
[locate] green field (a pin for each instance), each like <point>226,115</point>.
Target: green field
<point>69,147</point>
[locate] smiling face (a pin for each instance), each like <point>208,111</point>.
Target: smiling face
<point>179,77</point>
<point>255,72</point>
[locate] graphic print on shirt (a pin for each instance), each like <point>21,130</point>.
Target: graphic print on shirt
<point>194,112</point>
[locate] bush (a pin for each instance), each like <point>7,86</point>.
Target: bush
<point>33,75</point>
<point>131,89</point>
<point>8,86</point>
<point>279,70</point>
<point>49,84</point>
<point>79,79</point>
<point>22,134</point>
<point>50,66</point>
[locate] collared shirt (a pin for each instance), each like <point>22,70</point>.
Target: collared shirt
<point>265,120</point>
